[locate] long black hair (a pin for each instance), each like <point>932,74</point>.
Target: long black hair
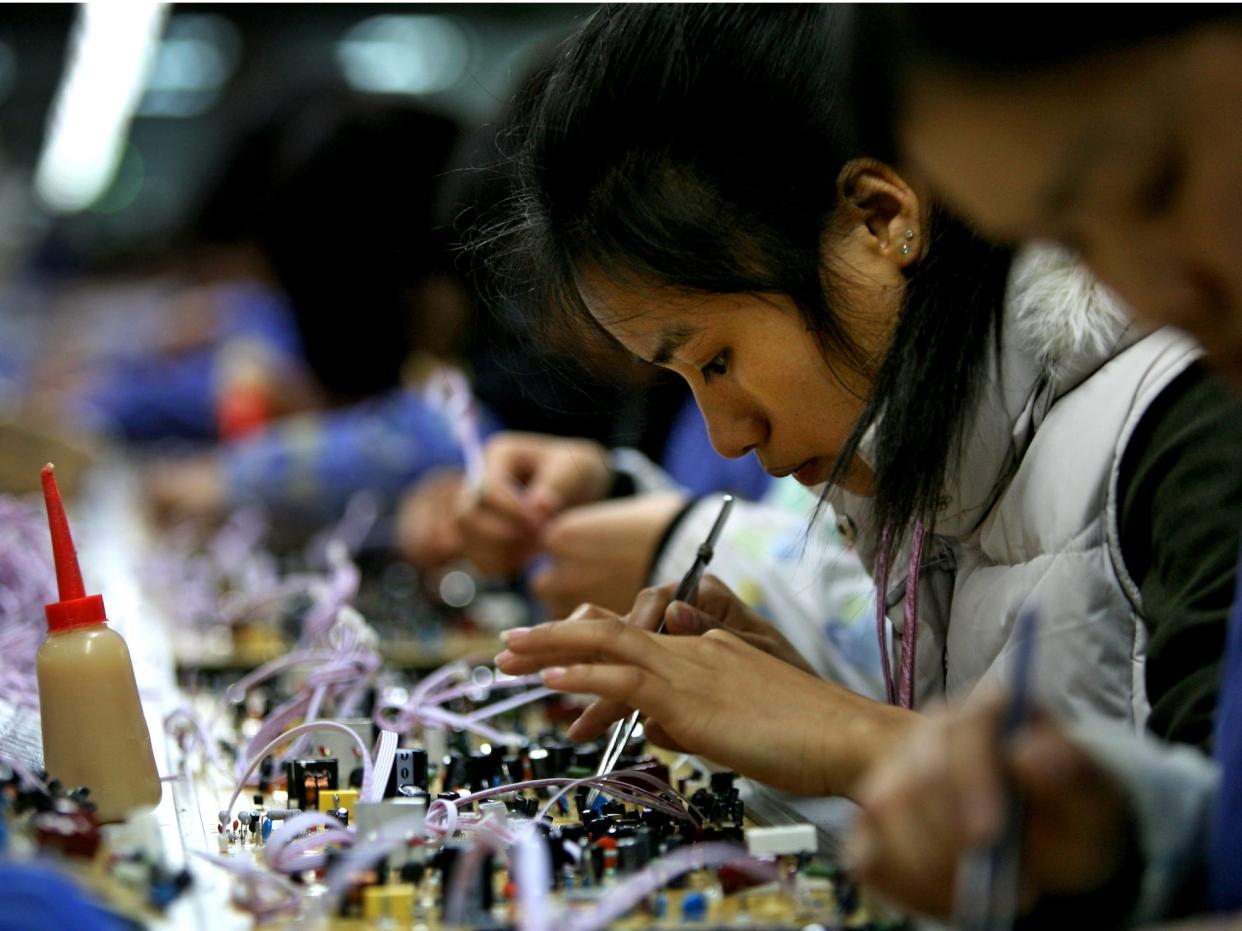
<point>699,147</point>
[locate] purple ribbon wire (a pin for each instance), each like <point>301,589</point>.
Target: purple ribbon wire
<point>901,695</point>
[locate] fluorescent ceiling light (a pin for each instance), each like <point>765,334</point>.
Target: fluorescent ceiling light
<point>416,54</point>
<point>110,55</point>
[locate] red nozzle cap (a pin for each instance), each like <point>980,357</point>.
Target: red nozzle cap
<point>75,608</point>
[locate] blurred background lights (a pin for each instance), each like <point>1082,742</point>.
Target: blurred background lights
<point>457,589</point>
<point>416,54</point>
<point>198,54</point>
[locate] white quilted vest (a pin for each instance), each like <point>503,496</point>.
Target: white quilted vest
<point>1032,517</point>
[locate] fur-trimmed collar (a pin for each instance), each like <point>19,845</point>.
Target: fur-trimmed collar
<point>1063,316</point>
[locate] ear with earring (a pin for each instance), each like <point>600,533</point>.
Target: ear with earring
<point>905,246</point>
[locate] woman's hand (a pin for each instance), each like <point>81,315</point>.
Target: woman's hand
<point>527,478</point>
<point>427,535</point>
<point>601,553</point>
<point>940,793</point>
<point>718,609</point>
<point>714,695</point>
<point>715,607</point>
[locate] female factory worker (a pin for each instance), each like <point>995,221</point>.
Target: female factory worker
<point>1122,136</point>
<point>689,189</point>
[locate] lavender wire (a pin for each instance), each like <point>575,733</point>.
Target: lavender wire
<point>255,876</point>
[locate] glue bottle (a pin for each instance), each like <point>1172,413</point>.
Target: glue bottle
<point>94,732</point>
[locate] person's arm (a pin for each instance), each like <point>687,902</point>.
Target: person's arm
<point>1114,832</point>
<point>1180,506</point>
<point>309,465</point>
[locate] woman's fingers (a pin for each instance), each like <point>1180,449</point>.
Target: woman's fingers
<point>494,543</point>
<point>628,685</point>
<point>522,665</point>
<point>650,606</point>
<point>597,718</point>
<point>603,640</point>
<point>587,610</point>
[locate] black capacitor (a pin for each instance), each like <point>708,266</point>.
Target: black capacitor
<point>581,794</point>
<point>737,812</point>
<point>656,820</point>
<point>267,769</point>
<point>847,895</point>
<point>587,756</point>
<point>367,710</point>
<point>631,855</point>
<point>478,899</point>
<point>412,872</point>
<point>615,808</point>
<point>598,828</point>
<point>573,832</point>
<point>722,782</point>
<point>703,801</point>
<point>647,838</point>
<point>483,769</point>
<point>540,767</point>
<point>355,777</point>
<point>596,859</point>
<point>409,768</point>
<point>560,757</point>
<point>455,775</point>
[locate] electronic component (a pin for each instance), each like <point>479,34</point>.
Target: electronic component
<point>781,840</point>
<point>409,770</point>
<point>308,778</point>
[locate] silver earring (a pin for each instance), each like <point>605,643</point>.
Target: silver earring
<point>905,246</point>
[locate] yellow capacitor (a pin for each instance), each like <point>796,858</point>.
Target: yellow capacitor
<point>392,901</point>
<point>330,800</point>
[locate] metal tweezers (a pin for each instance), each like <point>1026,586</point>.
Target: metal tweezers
<point>687,591</point>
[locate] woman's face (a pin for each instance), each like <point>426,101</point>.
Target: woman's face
<point>756,370</point>
<point>1134,158</point>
